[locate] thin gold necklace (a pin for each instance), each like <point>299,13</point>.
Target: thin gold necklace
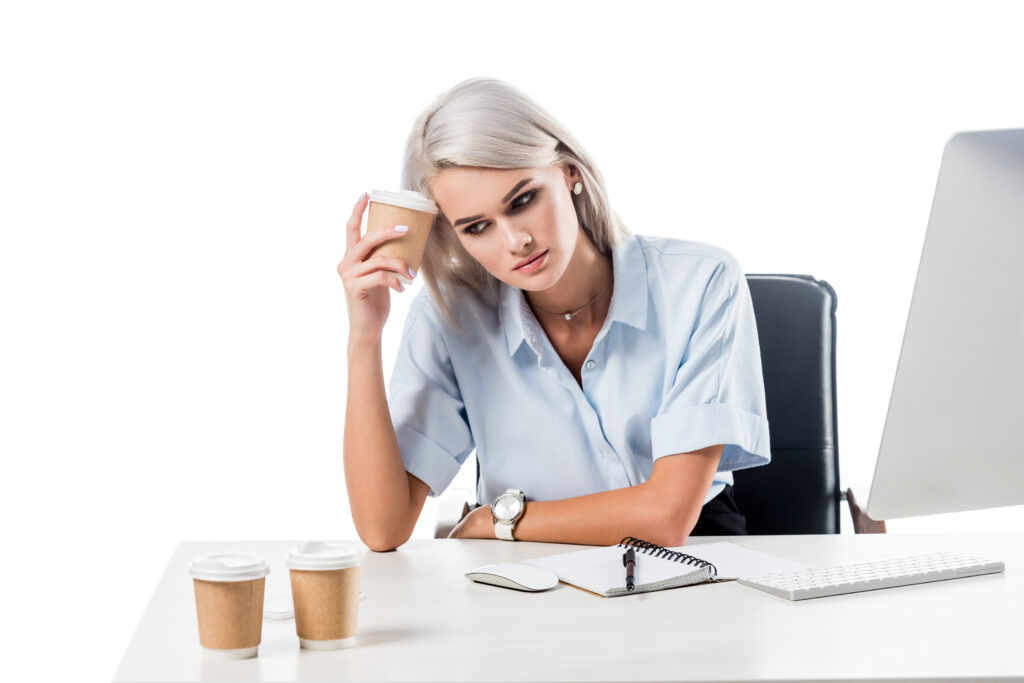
<point>568,316</point>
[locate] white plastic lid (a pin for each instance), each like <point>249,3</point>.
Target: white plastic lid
<point>229,567</point>
<point>410,199</point>
<point>317,555</point>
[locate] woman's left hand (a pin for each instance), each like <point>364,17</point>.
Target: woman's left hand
<point>479,523</point>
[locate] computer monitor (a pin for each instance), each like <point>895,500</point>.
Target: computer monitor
<point>954,434</point>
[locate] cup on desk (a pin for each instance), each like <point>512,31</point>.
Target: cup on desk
<point>229,603</point>
<point>325,593</point>
<point>404,207</point>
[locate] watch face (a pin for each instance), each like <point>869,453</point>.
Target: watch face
<point>507,506</point>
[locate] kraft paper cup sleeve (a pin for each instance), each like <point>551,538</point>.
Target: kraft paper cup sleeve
<point>230,613</point>
<point>326,603</point>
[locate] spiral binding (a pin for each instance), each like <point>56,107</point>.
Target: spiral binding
<point>648,548</point>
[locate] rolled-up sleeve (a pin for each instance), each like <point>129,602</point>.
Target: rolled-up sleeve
<point>717,395</point>
<point>426,406</point>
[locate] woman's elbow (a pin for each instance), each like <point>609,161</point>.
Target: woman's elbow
<point>674,530</point>
<point>381,543</point>
<point>382,547</point>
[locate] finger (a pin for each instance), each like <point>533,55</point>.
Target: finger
<point>381,262</point>
<point>355,222</point>
<point>372,239</point>
<point>362,286</point>
<point>380,278</point>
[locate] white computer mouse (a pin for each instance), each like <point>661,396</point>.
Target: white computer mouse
<point>521,577</point>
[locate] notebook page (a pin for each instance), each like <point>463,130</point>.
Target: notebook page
<point>600,570</point>
<point>733,561</point>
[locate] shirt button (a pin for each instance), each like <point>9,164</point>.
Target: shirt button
<point>591,365</point>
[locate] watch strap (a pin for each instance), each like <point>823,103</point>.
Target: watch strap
<point>503,530</point>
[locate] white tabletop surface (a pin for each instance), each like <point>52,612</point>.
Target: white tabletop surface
<point>422,620</point>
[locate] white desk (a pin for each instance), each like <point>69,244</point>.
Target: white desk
<point>423,620</point>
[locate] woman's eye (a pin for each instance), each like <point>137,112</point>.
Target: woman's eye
<point>478,228</point>
<point>528,196</point>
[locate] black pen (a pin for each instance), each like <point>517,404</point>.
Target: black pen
<point>629,560</point>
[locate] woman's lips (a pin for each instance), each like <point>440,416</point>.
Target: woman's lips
<point>534,264</point>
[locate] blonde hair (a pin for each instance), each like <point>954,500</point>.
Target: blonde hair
<point>484,122</point>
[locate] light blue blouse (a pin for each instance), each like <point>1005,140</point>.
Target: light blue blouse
<point>676,367</point>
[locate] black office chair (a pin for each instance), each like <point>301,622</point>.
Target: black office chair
<point>798,492</point>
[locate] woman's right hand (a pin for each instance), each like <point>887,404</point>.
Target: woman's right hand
<point>367,280</point>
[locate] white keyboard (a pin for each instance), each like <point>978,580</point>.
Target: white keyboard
<point>867,576</point>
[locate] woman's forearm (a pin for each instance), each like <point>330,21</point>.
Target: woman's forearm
<point>377,483</point>
<point>603,518</point>
<point>663,510</point>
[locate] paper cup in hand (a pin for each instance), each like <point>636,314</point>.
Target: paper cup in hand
<point>229,603</point>
<point>404,207</point>
<point>325,593</point>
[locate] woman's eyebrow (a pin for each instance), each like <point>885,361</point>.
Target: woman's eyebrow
<point>505,200</point>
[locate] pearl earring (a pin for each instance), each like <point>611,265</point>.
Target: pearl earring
<point>577,188</point>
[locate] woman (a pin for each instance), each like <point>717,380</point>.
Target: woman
<point>610,380</point>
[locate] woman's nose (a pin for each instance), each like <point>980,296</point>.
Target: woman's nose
<point>515,240</point>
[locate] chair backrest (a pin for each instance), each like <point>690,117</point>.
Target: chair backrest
<point>798,492</point>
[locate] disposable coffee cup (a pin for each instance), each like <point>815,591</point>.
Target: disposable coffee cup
<point>405,207</point>
<point>325,593</point>
<point>229,603</point>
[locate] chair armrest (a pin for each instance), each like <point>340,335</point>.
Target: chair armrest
<point>452,506</point>
<point>862,524</point>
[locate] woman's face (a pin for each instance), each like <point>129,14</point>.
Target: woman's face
<point>503,217</point>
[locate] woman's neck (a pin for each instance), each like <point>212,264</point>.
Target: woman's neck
<point>589,274</point>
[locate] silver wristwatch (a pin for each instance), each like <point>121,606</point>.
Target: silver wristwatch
<point>506,510</point>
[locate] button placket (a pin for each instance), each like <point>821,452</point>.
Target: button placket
<point>588,410</point>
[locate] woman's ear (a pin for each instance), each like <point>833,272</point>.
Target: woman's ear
<point>572,175</point>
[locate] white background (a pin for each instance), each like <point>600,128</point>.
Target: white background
<point>175,179</point>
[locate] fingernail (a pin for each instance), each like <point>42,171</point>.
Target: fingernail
<point>412,273</point>
<point>401,287</point>
<point>360,198</point>
<point>401,228</point>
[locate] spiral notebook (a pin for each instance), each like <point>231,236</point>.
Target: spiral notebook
<point>600,570</point>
